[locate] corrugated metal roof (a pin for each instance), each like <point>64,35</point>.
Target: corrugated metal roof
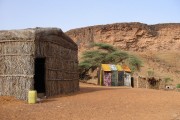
<point>119,68</point>
<point>113,67</point>
<point>126,68</point>
<point>105,67</point>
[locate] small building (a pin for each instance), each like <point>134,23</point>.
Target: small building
<point>114,75</point>
<point>44,59</point>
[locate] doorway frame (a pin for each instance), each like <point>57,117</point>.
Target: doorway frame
<point>44,83</point>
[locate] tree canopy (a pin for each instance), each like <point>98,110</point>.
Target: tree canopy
<point>106,54</point>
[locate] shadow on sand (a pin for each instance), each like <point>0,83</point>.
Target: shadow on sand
<point>88,88</point>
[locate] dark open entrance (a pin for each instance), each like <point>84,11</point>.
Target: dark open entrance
<point>132,82</point>
<point>39,78</point>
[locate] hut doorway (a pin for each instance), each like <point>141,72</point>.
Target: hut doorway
<point>39,78</point>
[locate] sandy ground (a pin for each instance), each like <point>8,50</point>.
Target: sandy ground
<point>97,103</point>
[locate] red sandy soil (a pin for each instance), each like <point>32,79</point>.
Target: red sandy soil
<point>97,103</point>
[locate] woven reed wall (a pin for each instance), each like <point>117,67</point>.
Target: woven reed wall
<point>16,62</point>
<point>18,50</point>
<point>142,82</point>
<point>61,61</point>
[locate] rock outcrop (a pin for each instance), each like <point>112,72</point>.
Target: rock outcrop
<point>130,36</point>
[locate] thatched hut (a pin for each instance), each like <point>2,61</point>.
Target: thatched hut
<point>44,59</point>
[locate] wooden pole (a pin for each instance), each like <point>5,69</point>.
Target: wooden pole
<point>146,83</point>
<point>137,82</point>
<point>100,77</point>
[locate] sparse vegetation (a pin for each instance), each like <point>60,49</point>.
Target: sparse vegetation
<point>178,86</point>
<point>150,73</point>
<point>167,81</point>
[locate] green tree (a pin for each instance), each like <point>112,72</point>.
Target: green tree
<point>134,62</point>
<point>106,54</point>
<point>104,46</point>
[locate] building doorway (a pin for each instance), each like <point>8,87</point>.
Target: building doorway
<point>39,78</point>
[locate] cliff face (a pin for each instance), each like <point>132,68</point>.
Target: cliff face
<point>130,36</point>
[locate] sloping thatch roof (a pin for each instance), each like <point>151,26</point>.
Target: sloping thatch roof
<point>32,34</point>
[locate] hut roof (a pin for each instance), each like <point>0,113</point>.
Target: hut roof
<point>53,31</point>
<point>150,78</point>
<point>106,67</point>
<point>126,68</point>
<point>112,67</point>
<point>119,68</point>
<point>32,34</point>
<point>24,34</point>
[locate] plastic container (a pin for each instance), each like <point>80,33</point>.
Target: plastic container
<point>32,96</point>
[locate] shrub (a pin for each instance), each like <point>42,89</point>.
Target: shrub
<point>168,80</point>
<point>150,73</point>
<point>178,86</point>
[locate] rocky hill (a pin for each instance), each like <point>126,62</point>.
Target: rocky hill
<point>157,45</point>
<point>130,36</point>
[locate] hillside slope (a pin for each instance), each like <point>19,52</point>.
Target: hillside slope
<point>157,45</point>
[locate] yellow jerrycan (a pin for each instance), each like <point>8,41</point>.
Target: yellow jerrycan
<point>32,96</point>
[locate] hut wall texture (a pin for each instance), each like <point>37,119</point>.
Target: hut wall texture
<point>61,61</point>
<point>16,62</point>
<point>142,82</point>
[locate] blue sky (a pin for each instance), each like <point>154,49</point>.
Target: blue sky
<point>70,14</point>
